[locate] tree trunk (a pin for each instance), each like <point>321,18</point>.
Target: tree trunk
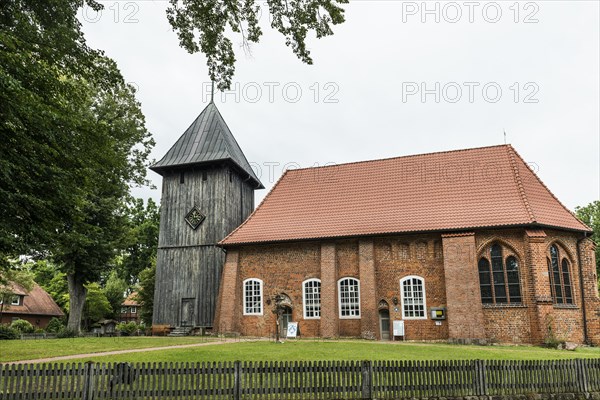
<point>77,293</point>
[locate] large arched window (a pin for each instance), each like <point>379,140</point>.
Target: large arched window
<point>349,298</point>
<point>311,298</point>
<point>412,290</point>
<point>560,277</point>
<point>499,279</point>
<point>253,296</point>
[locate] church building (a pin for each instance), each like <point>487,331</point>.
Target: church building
<point>466,244</point>
<point>458,245</point>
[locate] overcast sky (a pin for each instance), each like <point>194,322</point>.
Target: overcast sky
<point>391,81</point>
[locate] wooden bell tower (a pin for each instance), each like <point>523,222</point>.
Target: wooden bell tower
<point>207,191</point>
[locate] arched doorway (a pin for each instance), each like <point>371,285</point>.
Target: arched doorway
<point>384,320</point>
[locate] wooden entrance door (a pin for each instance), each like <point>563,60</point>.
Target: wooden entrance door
<point>384,324</point>
<point>285,318</point>
<point>187,312</point>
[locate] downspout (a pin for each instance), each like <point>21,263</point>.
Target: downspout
<point>585,330</point>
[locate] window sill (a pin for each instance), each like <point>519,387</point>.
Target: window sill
<point>502,305</point>
<point>352,317</point>
<point>566,306</point>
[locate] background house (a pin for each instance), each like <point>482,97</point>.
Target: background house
<point>35,306</point>
<point>130,309</point>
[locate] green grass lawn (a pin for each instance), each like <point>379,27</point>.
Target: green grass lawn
<point>15,350</point>
<point>320,350</point>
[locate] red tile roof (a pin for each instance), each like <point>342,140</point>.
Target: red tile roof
<point>453,190</point>
<point>35,302</point>
<point>131,300</point>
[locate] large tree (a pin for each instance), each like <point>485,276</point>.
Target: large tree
<point>73,141</point>
<point>43,63</point>
<point>115,146</point>
<point>202,26</point>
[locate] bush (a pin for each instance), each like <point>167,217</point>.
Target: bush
<point>55,325</point>
<point>127,329</point>
<point>8,333</point>
<point>66,333</point>
<point>22,326</point>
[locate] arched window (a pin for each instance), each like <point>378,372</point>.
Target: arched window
<point>412,290</point>
<point>349,298</point>
<point>253,297</point>
<point>560,277</point>
<point>499,280</point>
<point>311,298</point>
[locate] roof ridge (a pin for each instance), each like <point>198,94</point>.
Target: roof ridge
<point>257,208</point>
<point>400,157</point>
<point>520,187</point>
<point>549,191</point>
<point>234,140</point>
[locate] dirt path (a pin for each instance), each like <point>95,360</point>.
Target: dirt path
<point>110,353</point>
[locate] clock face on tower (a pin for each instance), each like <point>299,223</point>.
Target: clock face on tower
<point>194,218</point>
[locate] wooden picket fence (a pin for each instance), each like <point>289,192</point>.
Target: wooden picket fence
<point>296,380</point>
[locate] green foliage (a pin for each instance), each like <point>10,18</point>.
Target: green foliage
<point>49,277</point>
<point>590,215</point>
<point>44,64</point>
<point>146,293</point>
<point>128,328</point>
<point>97,306</point>
<point>23,326</point>
<point>55,325</point>
<point>65,333</point>
<point>114,290</point>
<point>8,333</point>
<point>203,25</point>
<point>141,240</point>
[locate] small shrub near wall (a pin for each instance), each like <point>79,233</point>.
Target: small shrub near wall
<point>55,325</point>
<point>22,326</point>
<point>8,333</point>
<point>128,328</point>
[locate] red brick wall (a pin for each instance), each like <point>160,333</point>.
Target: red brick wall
<point>399,256</point>
<point>465,320</point>
<point>451,280</point>
<point>329,312</point>
<point>38,321</point>
<point>592,300</point>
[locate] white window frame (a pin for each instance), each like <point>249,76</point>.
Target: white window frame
<point>133,310</point>
<point>244,296</point>
<point>15,300</point>
<point>422,280</point>
<point>124,310</point>
<point>304,301</point>
<point>357,316</point>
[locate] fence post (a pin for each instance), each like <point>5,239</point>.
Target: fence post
<point>237,380</point>
<point>582,375</point>
<point>89,374</point>
<point>480,381</point>
<point>367,380</point>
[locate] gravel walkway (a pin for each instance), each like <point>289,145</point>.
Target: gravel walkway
<point>110,353</point>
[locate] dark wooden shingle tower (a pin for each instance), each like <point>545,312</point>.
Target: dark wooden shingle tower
<point>207,191</point>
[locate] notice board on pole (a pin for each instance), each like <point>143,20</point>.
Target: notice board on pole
<point>399,328</point>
